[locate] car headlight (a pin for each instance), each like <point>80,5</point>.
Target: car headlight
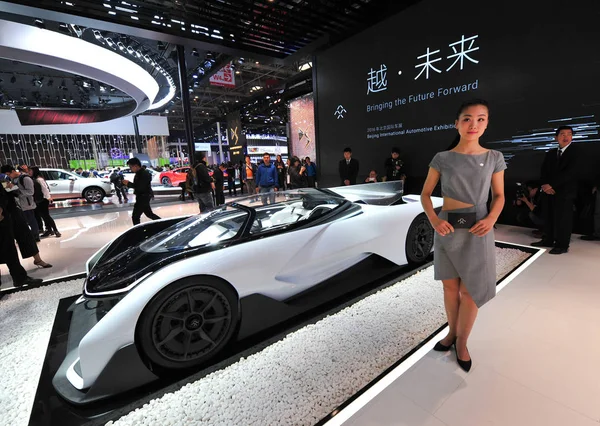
<point>124,288</point>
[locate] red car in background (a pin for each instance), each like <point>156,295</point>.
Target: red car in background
<point>176,176</point>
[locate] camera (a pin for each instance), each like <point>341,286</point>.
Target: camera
<point>521,192</point>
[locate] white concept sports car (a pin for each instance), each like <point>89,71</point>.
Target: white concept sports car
<point>170,294</point>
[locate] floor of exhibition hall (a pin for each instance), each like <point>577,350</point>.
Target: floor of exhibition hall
<point>535,352</point>
<point>534,347</point>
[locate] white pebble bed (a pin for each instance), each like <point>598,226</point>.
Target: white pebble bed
<point>303,377</point>
<point>26,320</point>
<point>297,380</point>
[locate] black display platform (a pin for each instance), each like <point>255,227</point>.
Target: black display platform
<point>49,409</point>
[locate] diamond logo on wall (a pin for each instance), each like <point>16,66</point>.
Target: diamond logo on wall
<point>340,111</point>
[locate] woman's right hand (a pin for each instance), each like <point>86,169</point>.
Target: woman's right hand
<point>442,227</point>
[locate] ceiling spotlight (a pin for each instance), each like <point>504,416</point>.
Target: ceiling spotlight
<point>208,64</point>
<point>147,58</point>
<point>110,43</point>
<point>71,101</point>
<point>37,82</point>
<point>130,50</point>
<point>195,52</point>
<point>64,28</point>
<point>76,29</point>
<point>86,84</point>
<point>63,86</point>
<point>196,84</point>
<point>40,24</point>
<point>102,88</point>
<point>98,36</point>
<point>139,54</point>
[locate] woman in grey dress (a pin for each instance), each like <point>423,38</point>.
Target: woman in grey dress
<point>464,258</point>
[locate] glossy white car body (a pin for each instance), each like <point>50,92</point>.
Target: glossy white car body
<point>278,266</point>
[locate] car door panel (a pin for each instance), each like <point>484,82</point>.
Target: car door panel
<point>59,187</point>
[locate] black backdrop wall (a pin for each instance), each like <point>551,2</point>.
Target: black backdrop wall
<point>401,82</point>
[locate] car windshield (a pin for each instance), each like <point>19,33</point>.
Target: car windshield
<point>289,209</point>
<point>196,231</point>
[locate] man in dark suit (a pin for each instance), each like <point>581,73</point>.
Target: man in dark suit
<point>219,178</point>
<point>348,168</point>
<point>231,179</point>
<point>142,186</point>
<point>559,184</point>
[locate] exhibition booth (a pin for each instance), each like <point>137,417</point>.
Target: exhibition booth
<point>309,306</point>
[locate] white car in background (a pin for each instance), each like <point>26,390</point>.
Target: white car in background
<point>64,185</point>
<point>129,175</point>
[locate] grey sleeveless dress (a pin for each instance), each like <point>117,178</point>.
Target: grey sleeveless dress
<point>467,178</point>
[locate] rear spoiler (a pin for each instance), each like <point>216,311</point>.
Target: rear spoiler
<point>378,193</point>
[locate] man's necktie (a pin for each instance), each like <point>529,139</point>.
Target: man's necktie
<point>559,154</point>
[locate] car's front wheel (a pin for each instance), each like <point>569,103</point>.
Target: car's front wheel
<point>419,241</point>
<point>93,194</point>
<point>188,322</point>
<point>166,181</point>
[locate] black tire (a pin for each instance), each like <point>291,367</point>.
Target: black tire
<point>166,181</point>
<point>93,194</point>
<point>188,322</point>
<point>419,240</point>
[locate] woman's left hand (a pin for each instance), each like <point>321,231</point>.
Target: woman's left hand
<point>482,227</point>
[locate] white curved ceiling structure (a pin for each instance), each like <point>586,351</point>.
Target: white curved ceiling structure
<point>25,43</point>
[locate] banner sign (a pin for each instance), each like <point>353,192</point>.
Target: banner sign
<point>225,77</point>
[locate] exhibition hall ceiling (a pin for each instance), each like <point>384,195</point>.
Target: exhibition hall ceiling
<point>270,28</point>
<point>268,46</point>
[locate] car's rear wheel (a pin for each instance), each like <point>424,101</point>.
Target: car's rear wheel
<point>188,322</point>
<point>93,194</point>
<point>419,241</point>
<point>166,181</point>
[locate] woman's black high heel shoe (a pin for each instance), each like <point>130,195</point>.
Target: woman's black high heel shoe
<point>465,365</point>
<point>443,348</point>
